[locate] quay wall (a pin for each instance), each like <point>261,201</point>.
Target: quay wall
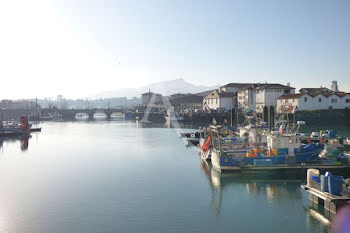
<point>338,117</point>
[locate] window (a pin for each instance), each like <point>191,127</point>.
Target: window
<point>286,91</point>
<point>216,101</point>
<point>347,101</point>
<point>319,100</point>
<point>334,101</point>
<point>305,99</point>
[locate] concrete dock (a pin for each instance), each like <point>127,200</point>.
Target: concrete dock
<point>331,203</point>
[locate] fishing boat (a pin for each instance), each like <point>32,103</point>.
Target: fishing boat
<point>283,147</point>
<point>190,135</point>
<point>14,128</point>
<point>254,131</point>
<point>229,141</point>
<point>236,143</point>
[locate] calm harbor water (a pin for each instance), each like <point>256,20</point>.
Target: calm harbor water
<point>120,177</point>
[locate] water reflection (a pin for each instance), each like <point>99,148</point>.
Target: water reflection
<point>24,142</point>
<point>271,185</point>
<point>215,185</point>
<point>275,190</point>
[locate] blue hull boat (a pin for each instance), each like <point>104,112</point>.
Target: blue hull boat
<point>283,148</point>
<point>229,162</point>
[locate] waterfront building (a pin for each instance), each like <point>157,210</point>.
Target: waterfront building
<point>18,104</point>
<point>146,98</point>
<point>254,97</point>
<point>246,97</point>
<point>313,101</point>
<point>218,99</point>
<point>186,102</point>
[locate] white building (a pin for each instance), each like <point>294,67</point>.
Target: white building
<point>312,101</point>
<point>254,97</point>
<point>334,86</point>
<point>246,97</point>
<point>233,87</point>
<point>219,100</point>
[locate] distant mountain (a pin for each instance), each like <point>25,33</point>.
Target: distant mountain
<point>164,88</point>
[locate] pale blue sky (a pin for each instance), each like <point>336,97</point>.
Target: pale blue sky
<point>105,45</point>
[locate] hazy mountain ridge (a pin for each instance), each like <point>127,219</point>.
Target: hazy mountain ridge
<point>164,88</point>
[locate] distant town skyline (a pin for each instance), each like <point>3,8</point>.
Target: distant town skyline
<point>79,48</point>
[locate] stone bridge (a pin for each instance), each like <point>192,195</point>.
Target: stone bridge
<point>69,114</point>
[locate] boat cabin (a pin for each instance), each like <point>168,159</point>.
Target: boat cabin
<point>284,142</point>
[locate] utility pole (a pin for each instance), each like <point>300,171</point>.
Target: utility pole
<point>36,107</point>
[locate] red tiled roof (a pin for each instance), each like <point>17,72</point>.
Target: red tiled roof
<point>265,86</point>
<point>292,96</point>
<point>238,85</point>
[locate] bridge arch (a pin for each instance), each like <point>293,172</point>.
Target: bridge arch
<point>117,116</point>
<point>82,116</point>
<point>100,116</point>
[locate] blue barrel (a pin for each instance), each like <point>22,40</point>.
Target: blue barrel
<point>324,183</point>
<point>335,184</point>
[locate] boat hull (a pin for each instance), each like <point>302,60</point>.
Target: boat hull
<point>223,162</point>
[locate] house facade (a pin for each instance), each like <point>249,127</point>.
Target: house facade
<point>312,101</point>
<point>186,102</point>
<point>218,99</point>
<point>254,97</point>
<point>267,95</point>
<point>246,97</point>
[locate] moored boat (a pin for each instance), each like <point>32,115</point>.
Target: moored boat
<point>13,128</point>
<point>282,148</point>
